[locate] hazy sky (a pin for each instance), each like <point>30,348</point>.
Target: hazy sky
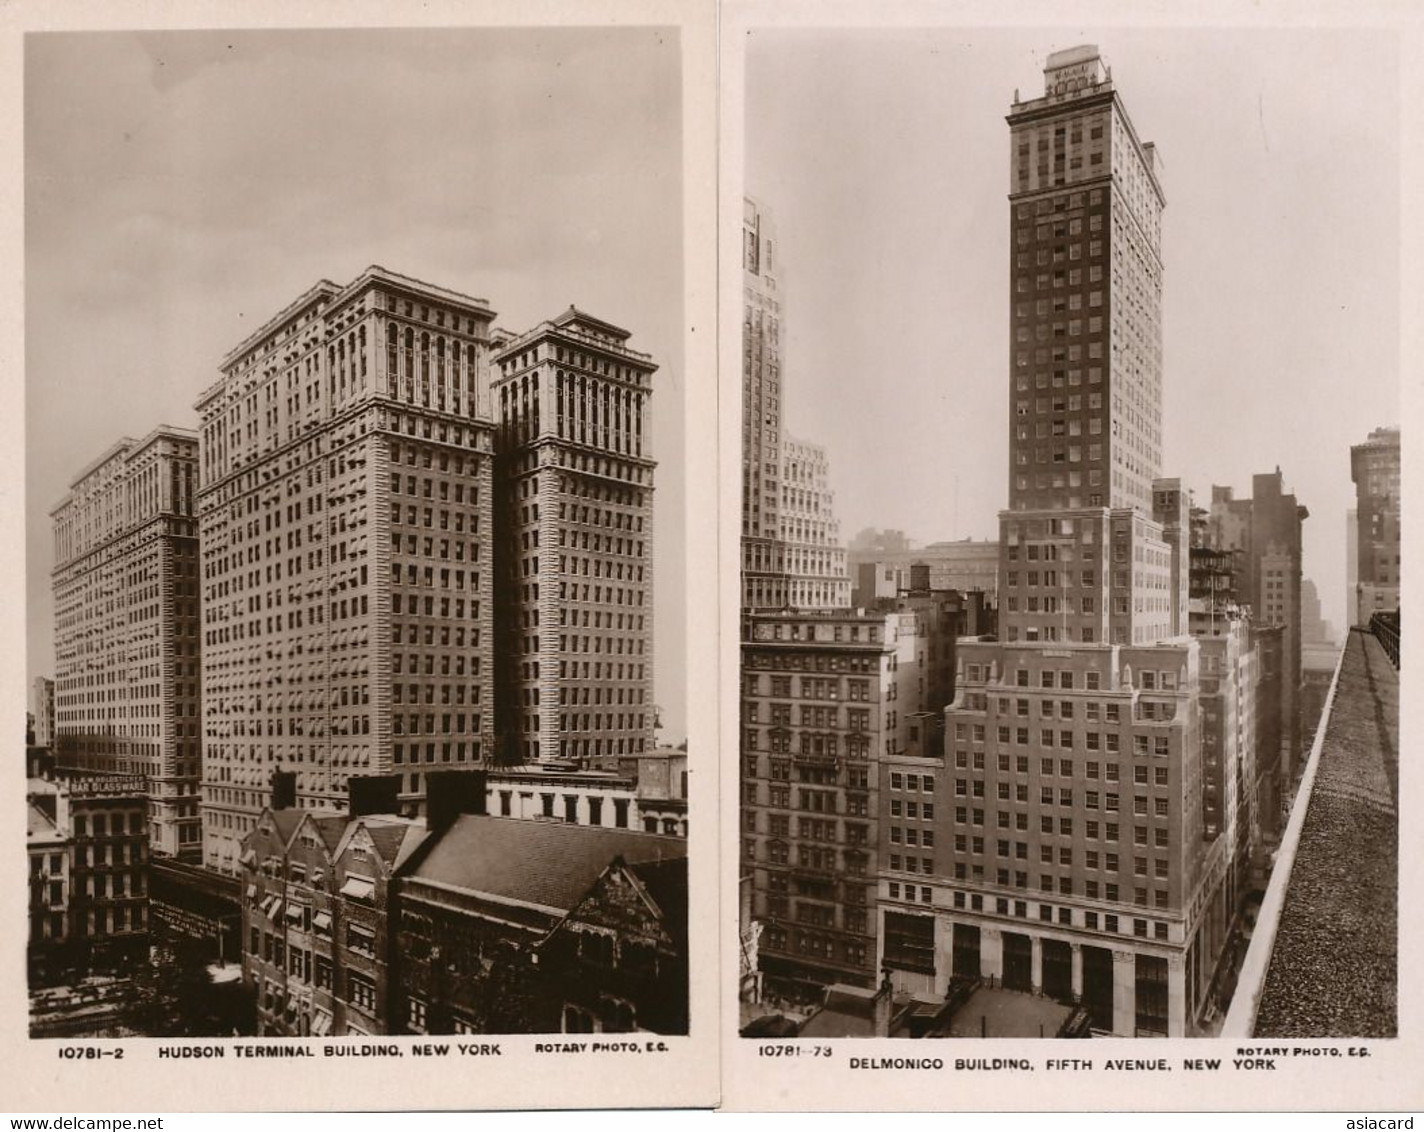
<point>884,159</point>
<point>182,187</point>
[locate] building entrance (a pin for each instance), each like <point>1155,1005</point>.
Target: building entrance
<point>1058,970</point>
<point>1018,962</point>
<point>966,951</point>
<point>1098,986</point>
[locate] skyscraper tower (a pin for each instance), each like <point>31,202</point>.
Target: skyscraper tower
<point>344,517</point>
<point>126,639</point>
<point>1086,406</point>
<point>1086,847</point>
<point>1374,468</point>
<point>574,553</point>
<point>764,582</point>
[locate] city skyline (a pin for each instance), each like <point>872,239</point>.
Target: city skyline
<point>1302,312</point>
<point>168,181</point>
<point>1075,831</point>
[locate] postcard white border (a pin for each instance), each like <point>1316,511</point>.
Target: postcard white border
<point>35,1078</point>
<point>821,1075</point>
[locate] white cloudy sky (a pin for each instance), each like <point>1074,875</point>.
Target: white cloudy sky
<point>182,187</point>
<point>884,156</point>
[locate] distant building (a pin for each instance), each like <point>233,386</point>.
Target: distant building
<point>661,777</point>
<point>815,558</point>
<point>1318,661</point>
<point>966,565</point>
<point>42,710</point>
<point>87,842</point>
<point>127,643</point>
<point>574,542</point>
<point>763,552</point>
<point>1375,470</point>
<point>1314,629</point>
<point>1266,530</point>
<point>870,542</point>
<point>1268,790</point>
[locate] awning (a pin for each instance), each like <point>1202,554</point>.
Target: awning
<point>294,913</point>
<point>321,1023</point>
<point>269,905</point>
<point>321,922</point>
<point>251,892</point>
<point>247,857</point>
<point>358,889</point>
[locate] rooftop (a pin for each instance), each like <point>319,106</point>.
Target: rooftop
<point>993,1012</point>
<point>546,864</point>
<point>1330,966</point>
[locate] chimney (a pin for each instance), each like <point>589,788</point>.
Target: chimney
<point>450,793</point>
<point>284,789</point>
<point>373,794</point>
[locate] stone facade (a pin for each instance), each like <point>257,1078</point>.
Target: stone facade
<point>764,583</point>
<point>815,557</point>
<point>825,698</point>
<point>345,513</point>
<point>574,543</point>
<point>127,644</point>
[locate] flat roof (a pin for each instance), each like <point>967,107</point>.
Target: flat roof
<point>995,1012</point>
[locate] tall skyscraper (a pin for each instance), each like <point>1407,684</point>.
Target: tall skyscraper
<point>345,512</point>
<point>1086,839</point>
<point>1086,221</point>
<point>574,551</point>
<point>42,708</point>
<point>1374,468</point>
<point>792,556</point>
<point>127,655</point>
<point>764,584</point>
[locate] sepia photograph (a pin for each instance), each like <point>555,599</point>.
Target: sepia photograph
<point>355,538</point>
<point>1070,533</point>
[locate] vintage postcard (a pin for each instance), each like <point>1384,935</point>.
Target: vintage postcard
<point>1071,438</point>
<point>356,380</point>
